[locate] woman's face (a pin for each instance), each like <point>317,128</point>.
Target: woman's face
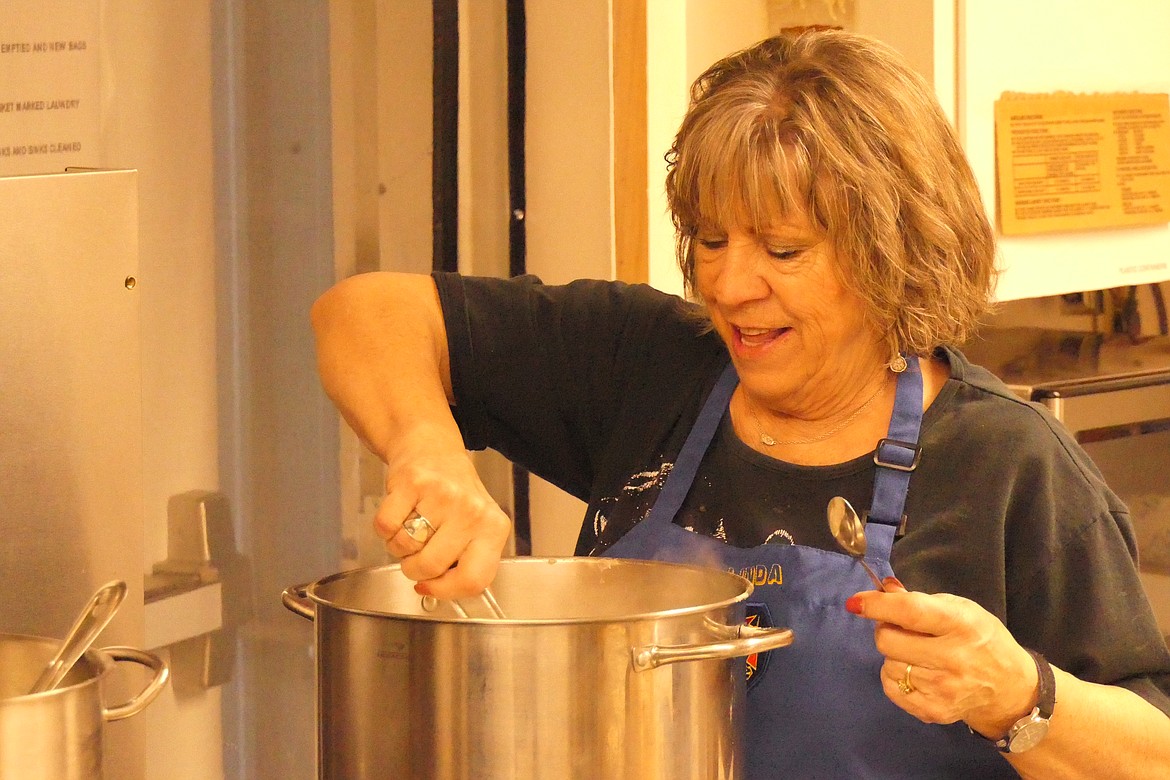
<point>796,335</point>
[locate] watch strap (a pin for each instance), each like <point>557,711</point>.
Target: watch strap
<point>1046,702</point>
<point>1032,727</point>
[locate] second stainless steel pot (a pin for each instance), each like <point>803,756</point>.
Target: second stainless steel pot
<point>58,734</point>
<point>603,668</point>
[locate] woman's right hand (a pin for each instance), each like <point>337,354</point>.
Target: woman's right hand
<point>470,530</point>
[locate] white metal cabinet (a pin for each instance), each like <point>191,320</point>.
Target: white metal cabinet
<point>70,413</point>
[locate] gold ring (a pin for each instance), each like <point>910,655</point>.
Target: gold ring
<point>418,528</point>
<point>904,685</point>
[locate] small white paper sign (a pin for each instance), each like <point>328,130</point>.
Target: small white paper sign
<point>50,85</point>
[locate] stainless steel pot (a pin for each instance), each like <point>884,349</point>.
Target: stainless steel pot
<point>603,668</point>
<point>58,734</point>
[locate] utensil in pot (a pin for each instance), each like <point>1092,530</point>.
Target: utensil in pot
<point>93,618</point>
<point>489,598</point>
<point>430,602</point>
<point>849,532</point>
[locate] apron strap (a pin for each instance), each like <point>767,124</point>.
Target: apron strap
<point>896,457</point>
<point>686,465</point>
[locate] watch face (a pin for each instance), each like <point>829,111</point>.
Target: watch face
<point>1027,735</point>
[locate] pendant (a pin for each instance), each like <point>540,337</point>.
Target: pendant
<point>767,440</point>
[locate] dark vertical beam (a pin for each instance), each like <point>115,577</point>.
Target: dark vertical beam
<point>517,90</point>
<point>445,160</point>
<point>517,42</point>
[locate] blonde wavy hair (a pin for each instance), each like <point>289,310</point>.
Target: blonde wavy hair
<point>836,126</point>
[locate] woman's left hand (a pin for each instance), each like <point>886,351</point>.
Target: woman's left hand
<point>947,659</point>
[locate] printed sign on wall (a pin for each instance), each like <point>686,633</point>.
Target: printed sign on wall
<point>50,85</point>
<point>1082,162</point>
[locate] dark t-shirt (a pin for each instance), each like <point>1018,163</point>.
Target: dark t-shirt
<point>594,386</point>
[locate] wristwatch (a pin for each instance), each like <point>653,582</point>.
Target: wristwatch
<point>1026,732</point>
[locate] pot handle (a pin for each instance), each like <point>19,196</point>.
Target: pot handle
<point>748,640</point>
<point>149,693</point>
<point>296,600</point>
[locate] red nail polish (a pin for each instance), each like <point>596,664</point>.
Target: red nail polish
<point>853,604</point>
<point>422,589</point>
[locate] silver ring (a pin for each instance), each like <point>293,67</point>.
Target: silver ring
<point>418,528</point>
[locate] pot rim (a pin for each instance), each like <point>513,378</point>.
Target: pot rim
<point>98,661</point>
<point>745,590</point>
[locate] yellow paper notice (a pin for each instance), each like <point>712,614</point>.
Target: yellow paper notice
<point>1079,162</point>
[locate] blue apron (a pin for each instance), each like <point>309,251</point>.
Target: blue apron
<point>816,709</point>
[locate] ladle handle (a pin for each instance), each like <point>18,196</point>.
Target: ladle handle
<point>96,615</point>
<point>877,582</point>
<point>489,600</point>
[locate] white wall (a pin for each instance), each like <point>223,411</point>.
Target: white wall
<point>223,109</point>
<point>570,141</point>
<point>157,103</point>
<point>667,84</point>
<point>157,90</point>
<point>569,187</point>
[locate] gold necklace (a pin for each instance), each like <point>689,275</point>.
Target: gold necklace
<point>768,441</point>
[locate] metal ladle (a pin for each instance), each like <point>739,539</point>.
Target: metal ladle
<point>93,618</point>
<point>430,603</point>
<point>849,532</point>
<point>489,599</point>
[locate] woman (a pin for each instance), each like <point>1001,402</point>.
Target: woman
<point>831,232</point>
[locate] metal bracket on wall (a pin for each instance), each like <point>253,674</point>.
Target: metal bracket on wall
<point>196,598</point>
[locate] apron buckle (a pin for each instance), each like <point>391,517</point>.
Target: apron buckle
<point>900,526</point>
<point>898,448</point>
